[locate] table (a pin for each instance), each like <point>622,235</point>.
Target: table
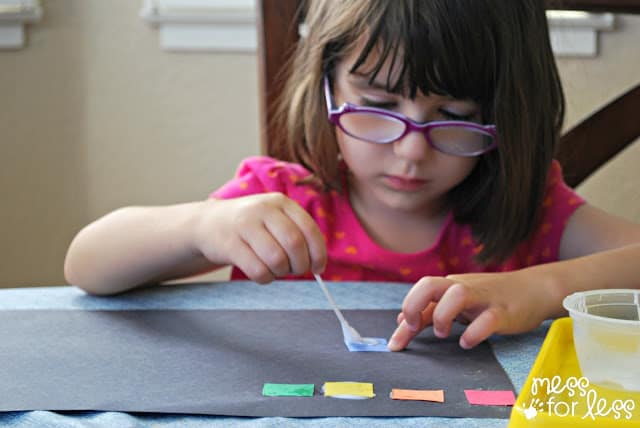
<point>515,353</point>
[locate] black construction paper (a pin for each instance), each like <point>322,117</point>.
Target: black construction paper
<point>217,361</point>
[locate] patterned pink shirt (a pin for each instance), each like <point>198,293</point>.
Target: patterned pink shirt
<point>354,256</point>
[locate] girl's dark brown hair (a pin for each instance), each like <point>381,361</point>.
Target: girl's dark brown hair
<point>494,52</point>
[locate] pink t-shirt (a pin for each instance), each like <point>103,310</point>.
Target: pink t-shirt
<point>354,256</point>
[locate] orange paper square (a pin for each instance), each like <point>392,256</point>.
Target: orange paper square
<point>418,394</point>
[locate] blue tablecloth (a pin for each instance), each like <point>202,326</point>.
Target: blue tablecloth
<point>515,353</point>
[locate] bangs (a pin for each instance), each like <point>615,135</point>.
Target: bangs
<point>437,46</point>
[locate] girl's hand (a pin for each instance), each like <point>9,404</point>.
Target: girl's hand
<point>504,303</point>
<point>266,236</point>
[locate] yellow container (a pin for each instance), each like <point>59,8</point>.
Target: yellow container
<point>556,394</point>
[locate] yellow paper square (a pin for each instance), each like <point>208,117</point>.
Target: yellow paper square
<point>348,389</point>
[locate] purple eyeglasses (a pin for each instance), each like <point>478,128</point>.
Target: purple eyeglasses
<point>376,125</point>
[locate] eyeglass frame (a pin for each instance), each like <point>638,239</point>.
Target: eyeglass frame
<point>334,114</point>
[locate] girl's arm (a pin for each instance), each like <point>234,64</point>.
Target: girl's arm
<point>598,251</point>
<point>136,245</point>
<point>266,236</point>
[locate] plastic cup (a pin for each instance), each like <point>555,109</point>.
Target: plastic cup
<point>606,334</point>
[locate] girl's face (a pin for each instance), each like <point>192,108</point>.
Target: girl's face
<point>407,174</point>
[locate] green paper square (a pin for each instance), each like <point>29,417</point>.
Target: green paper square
<point>287,390</point>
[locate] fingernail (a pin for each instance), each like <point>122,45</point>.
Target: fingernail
<point>439,333</point>
<point>393,343</point>
<point>463,343</point>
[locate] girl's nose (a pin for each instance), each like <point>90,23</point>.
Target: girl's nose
<point>413,147</point>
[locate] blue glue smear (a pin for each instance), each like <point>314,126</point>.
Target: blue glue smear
<point>379,346</point>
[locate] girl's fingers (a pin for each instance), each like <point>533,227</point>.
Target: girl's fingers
<point>403,334</point>
<point>424,292</point>
<point>266,236</point>
<point>314,240</point>
<point>480,329</point>
<point>286,239</point>
<point>458,301</point>
<point>401,337</point>
<point>248,262</point>
<point>293,242</point>
<point>267,249</point>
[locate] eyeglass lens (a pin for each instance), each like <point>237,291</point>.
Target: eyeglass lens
<point>379,128</point>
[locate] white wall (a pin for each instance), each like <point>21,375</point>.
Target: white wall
<point>95,116</point>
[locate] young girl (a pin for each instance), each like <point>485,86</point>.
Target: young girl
<point>421,137</point>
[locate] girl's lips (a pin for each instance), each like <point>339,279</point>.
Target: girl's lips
<point>404,183</point>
